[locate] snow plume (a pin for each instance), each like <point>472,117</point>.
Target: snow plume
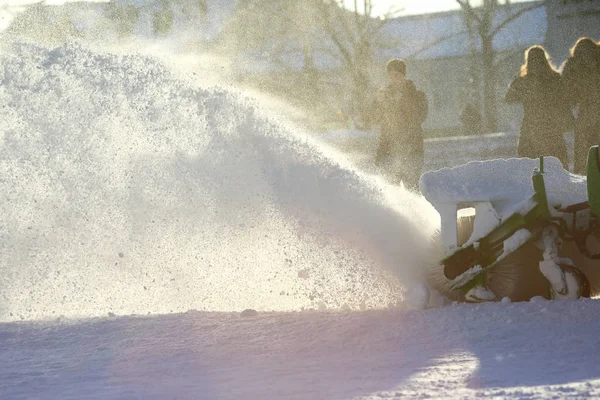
<point>127,190</point>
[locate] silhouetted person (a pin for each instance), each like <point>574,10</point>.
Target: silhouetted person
<point>581,74</point>
<point>546,115</point>
<point>400,109</point>
<point>471,120</point>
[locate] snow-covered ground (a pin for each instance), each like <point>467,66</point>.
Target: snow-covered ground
<point>545,350</point>
<point>131,196</point>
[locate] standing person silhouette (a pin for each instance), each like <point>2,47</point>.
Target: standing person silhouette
<point>399,109</point>
<point>546,115</point>
<point>581,74</point>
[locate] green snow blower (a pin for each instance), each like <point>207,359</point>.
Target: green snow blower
<point>511,211</point>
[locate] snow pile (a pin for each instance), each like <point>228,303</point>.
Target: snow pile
<point>496,189</point>
<point>417,297</point>
<point>504,182</point>
<point>130,191</point>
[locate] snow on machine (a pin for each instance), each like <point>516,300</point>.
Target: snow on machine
<point>535,229</point>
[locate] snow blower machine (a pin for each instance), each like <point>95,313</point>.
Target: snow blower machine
<point>529,218</point>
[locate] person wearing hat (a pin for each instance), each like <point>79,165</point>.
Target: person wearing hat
<point>399,109</point>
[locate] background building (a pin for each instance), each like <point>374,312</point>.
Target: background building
<point>569,20</point>
<point>445,59</point>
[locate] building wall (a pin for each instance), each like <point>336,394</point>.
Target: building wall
<point>446,79</point>
<point>450,76</point>
<point>569,20</point>
<point>446,82</point>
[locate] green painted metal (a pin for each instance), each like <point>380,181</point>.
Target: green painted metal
<point>593,180</point>
<point>488,250</point>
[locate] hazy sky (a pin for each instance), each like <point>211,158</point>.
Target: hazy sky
<point>382,7</point>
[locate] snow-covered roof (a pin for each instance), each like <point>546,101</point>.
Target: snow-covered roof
<point>420,32</point>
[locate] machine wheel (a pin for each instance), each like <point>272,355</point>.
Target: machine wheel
<point>582,280</point>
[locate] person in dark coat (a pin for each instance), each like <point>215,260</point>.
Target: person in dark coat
<point>581,74</point>
<point>399,109</point>
<point>546,115</point>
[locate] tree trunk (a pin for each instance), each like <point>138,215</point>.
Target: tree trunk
<point>310,71</point>
<point>489,85</point>
<point>360,78</point>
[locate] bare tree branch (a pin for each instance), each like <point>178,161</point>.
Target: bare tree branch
<point>481,20</point>
<point>466,6</point>
<point>347,56</point>
<point>435,43</point>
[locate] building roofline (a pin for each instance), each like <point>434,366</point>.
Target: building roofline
<point>441,14</point>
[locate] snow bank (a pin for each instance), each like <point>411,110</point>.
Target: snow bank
<point>505,183</point>
<point>128,190</point>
